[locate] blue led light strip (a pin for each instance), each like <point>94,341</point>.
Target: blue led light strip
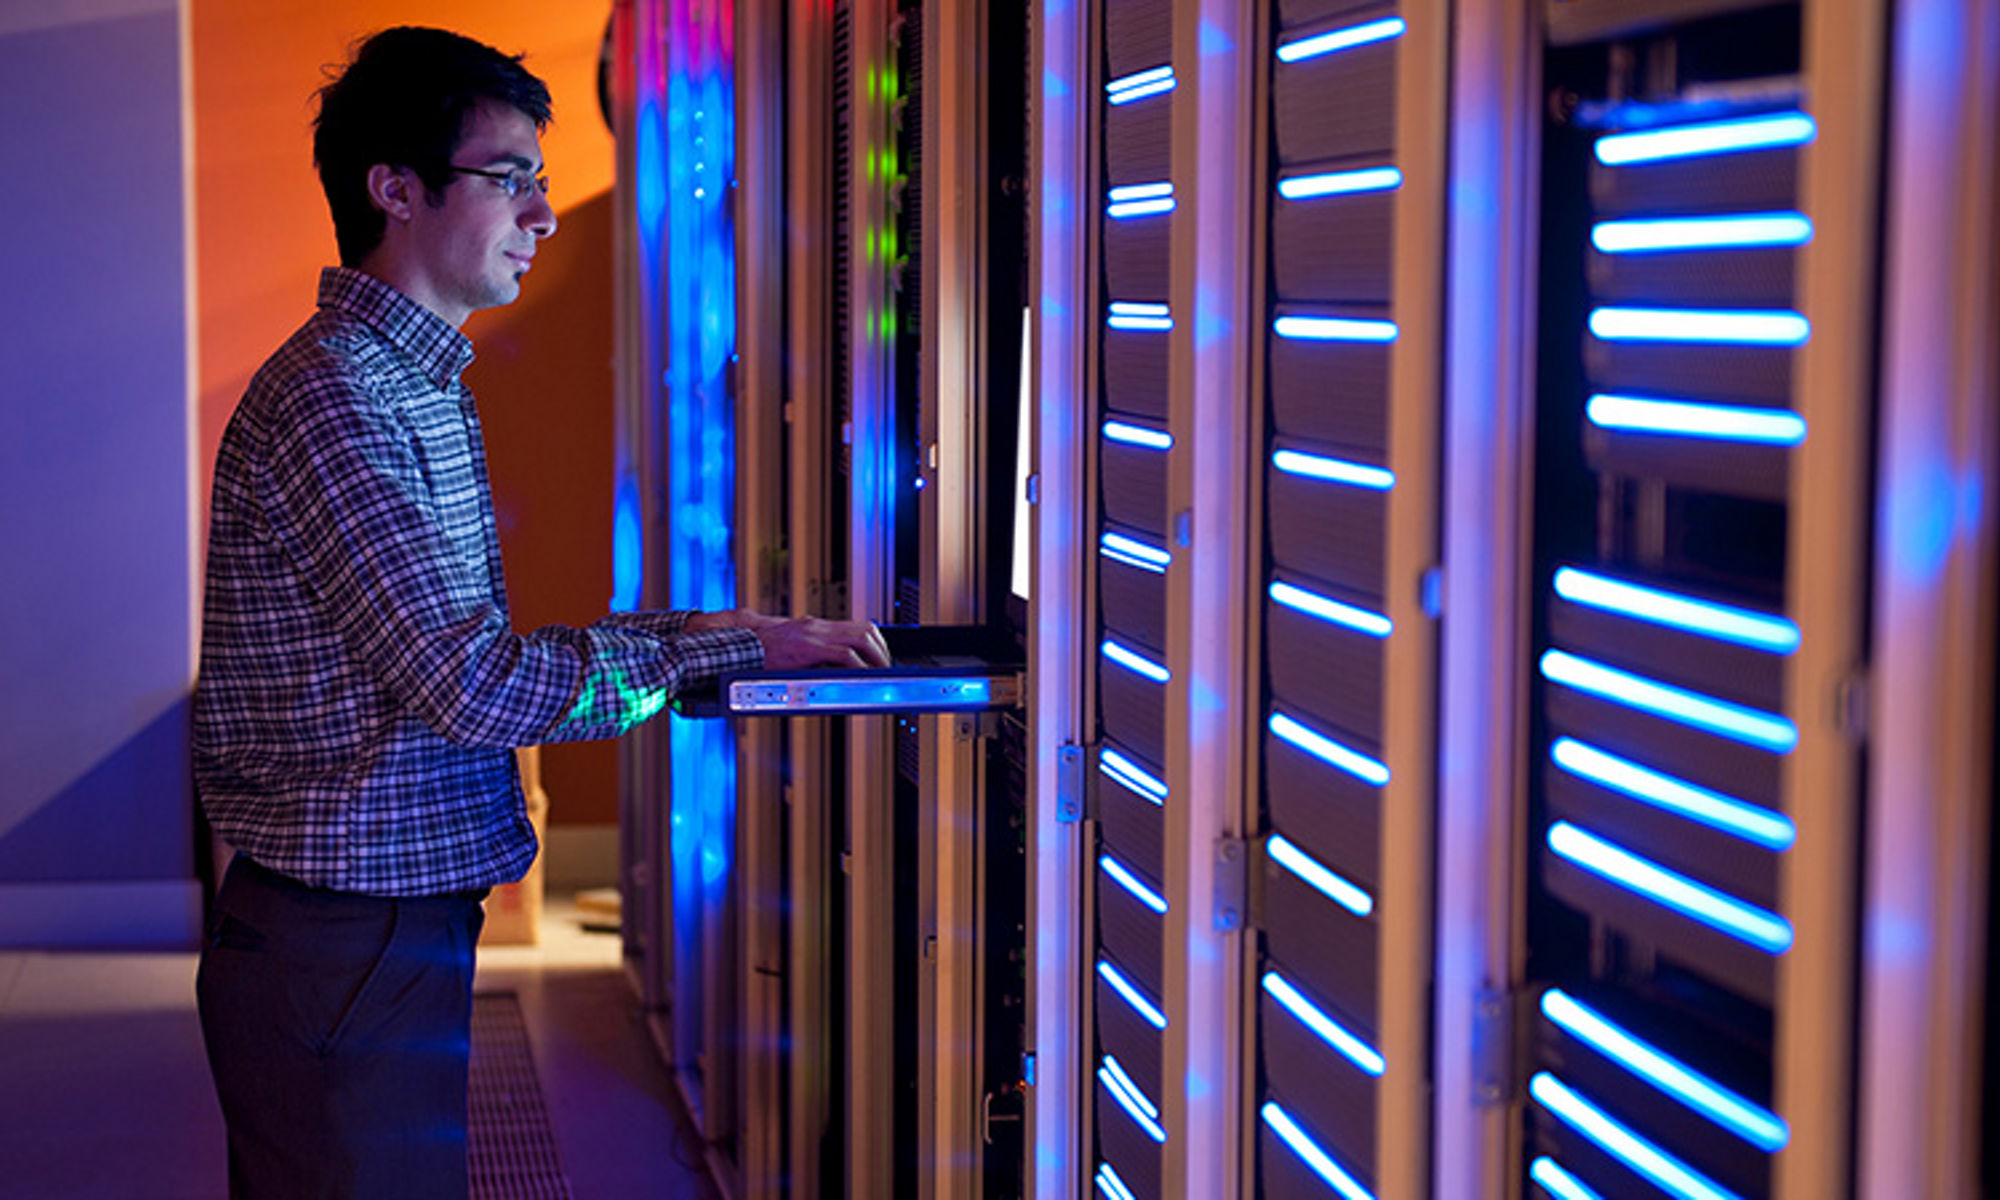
<point>1751,1122</point>
<point>1333,329</point>
<point>1751,822</point>
<point>1329,751</point>
<point>1341,39</point>
<point>1127,434</point>
<point>1695,419</point>
<point>1111,1185</point>
<point>1709,137</point>
<point>1735,231</point>
<point>1309,1152</point>
<point>1130,1098</point>
<point>1352,1048</point>
<point>1669,1173</point>
<point>1704,326</point>
<point>1333,470</point>
<point>1124,877</point>
<point>1752,727</point>
<point>1134,777</point>
<point>1139,200</point>
<point>1765,930</point>
<point>1334,887</point>
<point>1340,183</point>
<point>1558,1182</point>
<point>1315,605</point>
<point>1131,994</point>
<point>1140,84</point>
<point>1135,662</point>
<point>923,691</point>
<point>1140,316</point>
<point>1743,626</point>
<point>1134,553</point>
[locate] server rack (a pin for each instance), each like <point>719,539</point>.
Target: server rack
<point>841,894</point>
<point>1706,239</point>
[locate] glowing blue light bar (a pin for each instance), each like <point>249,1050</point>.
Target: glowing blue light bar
<point>1765,930</point>
<point>1140,316</point>
<point>1669,1173</point>
<point>1334,329</point>
<point>1752,727</point>
<point>1126,433</point>
<point>1558,1182</point>
<point>1130,1098</point>
<point>1320,1161</point>
<point>1708,326</point>
<point>1141,191</point>
<point>1334,887</point>
<point>1329,751</point>
<point>1111,1185</point>
<point>1134,777</point>
<point>1708,137</point>
<point>1139,200</point>
<point>1352,1048</point>
<point>1743,626</point>
<point>1340,183</point>
<point>1124,877</point>
<point>1132,995</point>
<point>1333,470</point>
<point>1666,234</point>
<point>1135,662</point>
<point>1341,39</point>
<point>1134,553</point>
<point>1139,85</point>
<point>1773,831</point>
<point>1688,418</point>
<point>1751,1122</point>
<point>1315,605</point>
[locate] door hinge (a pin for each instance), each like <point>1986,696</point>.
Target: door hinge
<point>1499,1042</point>
<point>1232,884</point>
<point>1851,706</point>
<point>1072,783</point>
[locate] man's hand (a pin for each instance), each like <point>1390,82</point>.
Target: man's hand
<point>816,642</point>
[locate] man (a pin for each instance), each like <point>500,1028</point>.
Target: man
<point>361,690</point>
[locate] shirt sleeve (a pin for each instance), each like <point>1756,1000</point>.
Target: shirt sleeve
<point>360,509</point>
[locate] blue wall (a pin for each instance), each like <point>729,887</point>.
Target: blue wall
<point>96,565</point>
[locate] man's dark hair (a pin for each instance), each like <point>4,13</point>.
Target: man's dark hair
<point>403,100</point>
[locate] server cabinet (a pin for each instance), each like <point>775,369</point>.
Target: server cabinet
<point>1262,291</point>
<point>1707,239</point>
<point>833,431</point>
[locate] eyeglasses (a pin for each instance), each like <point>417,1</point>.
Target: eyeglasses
<point>516,183</point>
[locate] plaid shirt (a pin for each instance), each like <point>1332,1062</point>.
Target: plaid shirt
<point>360,688</point>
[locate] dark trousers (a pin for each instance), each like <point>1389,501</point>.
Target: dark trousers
<point>338,1030</point>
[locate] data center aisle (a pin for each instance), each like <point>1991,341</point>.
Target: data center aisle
<point>104,1093</point>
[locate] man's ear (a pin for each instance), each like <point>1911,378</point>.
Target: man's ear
<point>393,190</point>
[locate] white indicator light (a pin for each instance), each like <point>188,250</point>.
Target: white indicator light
<point>1773,831</point>
<point>1315,605</point>
<point>1329,751</point>
<point>1752,727</point>
<point>1130,1098</point>
<point>1340,183</point>
<point>1708,137</point>
<point>1139,85</point>
<point>1123,876</point>
<point>1692,419</point>
<point>1670,1174</point>
<point>1767,931</point>
<point>1334,887</point>
<point>1708,326</point>
<point>1134,553</point>
<point>1334,329</point>
<point>1333,470</point>
<point>1309,1152</point>
<point>1129,773</point>
<point>1352,1048</point>
<point>1666,234</point>
<point>1724,622</point>
<point>1131,994</point>
<point>1127,434</point>
<point>1341,39</point>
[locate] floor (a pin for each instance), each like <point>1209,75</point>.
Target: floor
<point>104,1094</point>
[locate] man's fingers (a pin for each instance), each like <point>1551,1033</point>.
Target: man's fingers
<point>873,649</point>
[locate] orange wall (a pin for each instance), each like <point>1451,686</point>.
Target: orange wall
<point>544,369</point>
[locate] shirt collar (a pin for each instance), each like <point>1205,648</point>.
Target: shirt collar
<point>439,350</point>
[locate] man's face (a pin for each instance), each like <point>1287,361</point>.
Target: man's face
<point>471,250</point>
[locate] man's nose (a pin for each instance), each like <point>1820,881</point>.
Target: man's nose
<point>539,218</point>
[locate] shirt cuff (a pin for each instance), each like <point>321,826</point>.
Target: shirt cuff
<point>650,622</point>
<point>703,657</point>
